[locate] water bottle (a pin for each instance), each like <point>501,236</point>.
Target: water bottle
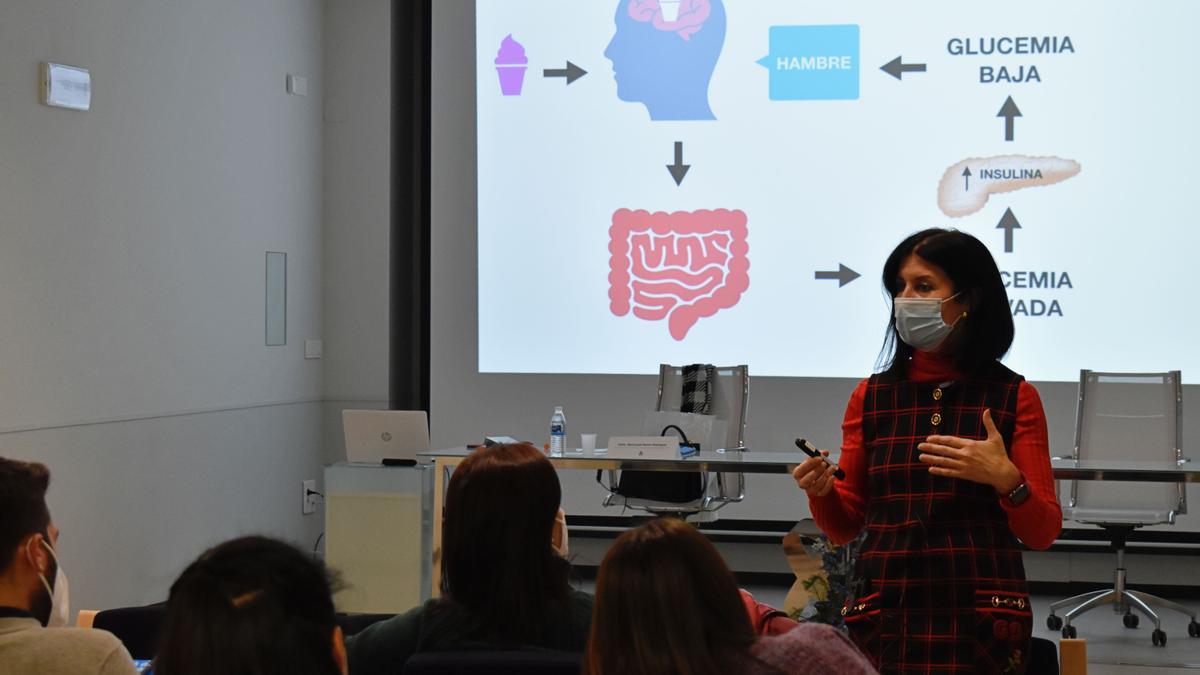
<point>558,432</point>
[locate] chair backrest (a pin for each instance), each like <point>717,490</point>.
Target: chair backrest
<point>137,628</point>
<point>730,398</point>
<point>355,623</point>
<point>524,662</point>
<point>1129,417</point>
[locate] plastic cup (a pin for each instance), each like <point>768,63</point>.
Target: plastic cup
<point>587,442</point>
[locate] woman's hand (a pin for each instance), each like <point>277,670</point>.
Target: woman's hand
<point>983,461</point>
<point>814,476</point>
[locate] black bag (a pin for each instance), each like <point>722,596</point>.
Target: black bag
<point>676,487</point>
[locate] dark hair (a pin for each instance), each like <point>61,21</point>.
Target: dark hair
<point>250,606</point>
<point>666,603</point>
<point>986,333</point>
<point>22,505</point>
<point>497,561</point>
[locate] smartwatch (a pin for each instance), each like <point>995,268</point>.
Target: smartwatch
<point>1019,494</point>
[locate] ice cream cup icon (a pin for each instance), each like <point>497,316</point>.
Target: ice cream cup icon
<point>670,9</point>
<point>510,66</point>
<point>511,79</point>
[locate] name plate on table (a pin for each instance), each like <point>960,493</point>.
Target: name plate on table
<point>645,447</point>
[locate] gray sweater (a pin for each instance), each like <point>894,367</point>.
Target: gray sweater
<point>26,648</point>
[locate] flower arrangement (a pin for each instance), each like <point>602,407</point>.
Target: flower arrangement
<point>830,588</point>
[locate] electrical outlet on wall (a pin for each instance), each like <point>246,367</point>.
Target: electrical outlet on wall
<point>297,85</point>
<point>312,349</point>
<point>308,496</point>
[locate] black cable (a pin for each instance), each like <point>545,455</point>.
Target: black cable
<point>676,428</point>
<point>682,436</point>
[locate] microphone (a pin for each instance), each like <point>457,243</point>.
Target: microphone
<point>812,451</point>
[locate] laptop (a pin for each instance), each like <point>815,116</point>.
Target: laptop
<point>385,436</point>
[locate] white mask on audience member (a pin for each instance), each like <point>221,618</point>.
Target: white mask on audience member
<point>563,548</point>
<point>60,599</point>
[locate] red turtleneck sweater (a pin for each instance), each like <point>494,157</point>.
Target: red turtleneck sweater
<point>1037,521</point>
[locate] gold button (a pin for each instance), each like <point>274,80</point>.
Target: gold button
<point>937,394</point>
<point>936,419</point>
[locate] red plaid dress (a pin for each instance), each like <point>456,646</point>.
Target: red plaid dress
<point>942,582</point>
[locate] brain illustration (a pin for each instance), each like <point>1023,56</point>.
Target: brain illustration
<point>681,266</point>
<point>683,17</point>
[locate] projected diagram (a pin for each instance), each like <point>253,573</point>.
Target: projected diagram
<point>510,66</point>
<point>663,55</point>
<point>963,191</point>
<point>812,63</point>
<point>835,130</point>
<point>679,266</point>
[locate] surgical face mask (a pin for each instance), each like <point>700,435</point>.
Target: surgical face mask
<point>563,549</point>
<point>59,612</point>
<point>919,322</point>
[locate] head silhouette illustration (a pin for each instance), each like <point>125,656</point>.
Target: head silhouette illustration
<point>664,53</point>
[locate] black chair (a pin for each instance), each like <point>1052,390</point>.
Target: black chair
<point>353,624</point>
<point>138,628</point>
<point>1043,657</point>
<point>523,662</point>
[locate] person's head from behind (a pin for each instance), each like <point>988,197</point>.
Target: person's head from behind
<point>30,576</point>
<point>251,606</point>
<point>498,558</point>
<point>664,53</point>
<point>666,603</point>
<point>947,297</point>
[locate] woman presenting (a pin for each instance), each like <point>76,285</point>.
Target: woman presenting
<point>947,466</point>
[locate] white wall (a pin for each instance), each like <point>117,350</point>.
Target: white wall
<point>132,242</point>
<point>357,123</point>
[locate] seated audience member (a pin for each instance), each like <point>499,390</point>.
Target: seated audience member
<point>666,603</point>
<point>765,619</point>
<point>33,589</point>
<point>251,606</point>
<point>504,573</point>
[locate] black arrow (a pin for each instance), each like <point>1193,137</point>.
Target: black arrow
<point>966,178</point>
<point>844,275</point>
<point>895,68</point>
<point>1008,223</point>
<point>1008,112</point>
<point>572,72</point>
<point>678,169</point>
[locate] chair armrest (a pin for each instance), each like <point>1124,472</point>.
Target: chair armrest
<point>86,617</point>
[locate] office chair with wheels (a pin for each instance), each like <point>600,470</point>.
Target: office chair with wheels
<point>1126,417</point>
<point>682,494</point>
